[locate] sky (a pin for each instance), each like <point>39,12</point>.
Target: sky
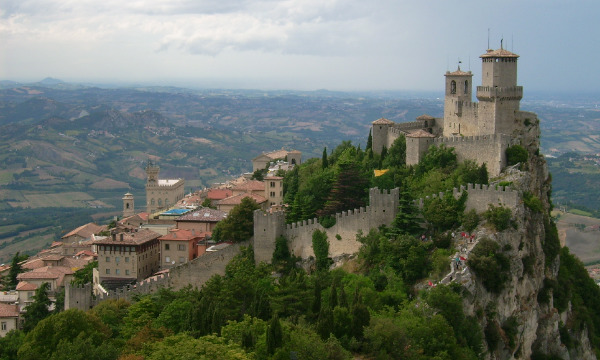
<point>298,44</point>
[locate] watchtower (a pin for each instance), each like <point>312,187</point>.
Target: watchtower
<point>458,95</point>
<point>128,208</point>
<point>499,96</point>
<point>152,171</point>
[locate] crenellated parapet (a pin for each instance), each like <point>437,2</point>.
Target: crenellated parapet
<point>480,197</point>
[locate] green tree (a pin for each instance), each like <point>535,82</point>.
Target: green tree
<point>184,347</point>
<point>207,203</point>
<point>239,224</point>
<point>324,162</point>
<point>282,258</point>
<point>349,190</point>
<point>369,141</point>
<point>444,213</point>
<point>112,313</point>
<point>71,330</point>
<point>406,220</point>
<point>84,275</point>
<point>10,344</point>
<point>38,309</point>
<point>441,157</point>
<point>516,154</point>
<point>11,281</point>
<point>321,249</point>
<point>499,216</point>
<point>396,155</point>
<point>490,265</point>
<point>274,335</point>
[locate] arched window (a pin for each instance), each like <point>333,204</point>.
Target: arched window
<point>127,206</point>
<point>159,202</point>
<point>152,201</point>
<point>166,202</point>
<point>466,86</point>
<point>453,87</point>
<point>293,161</point>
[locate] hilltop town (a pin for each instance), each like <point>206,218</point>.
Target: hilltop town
<point>486,218</point>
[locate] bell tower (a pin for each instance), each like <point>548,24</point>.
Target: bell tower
<point>458,95</point>
<point>128,206</point>
<point>499,95</point>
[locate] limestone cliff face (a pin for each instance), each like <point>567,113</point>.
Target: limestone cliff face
<point>523,324</point>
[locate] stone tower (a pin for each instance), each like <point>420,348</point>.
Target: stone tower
<point>128,206</point>
<point>499,96</point>
<point>458,117</point>
<point>152,173</point>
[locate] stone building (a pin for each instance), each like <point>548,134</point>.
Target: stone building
<point>260,162</point>
<point>178,247</point>
<point>161,193</point>
<point>200,220</point>
<point>128,205</point>
<point>9,318</point>
<point>127,257</point>
<point>479,131</point>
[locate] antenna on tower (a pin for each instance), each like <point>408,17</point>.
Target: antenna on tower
<point>512,42</point>
<point>488,38</point>
<point>501,42</point>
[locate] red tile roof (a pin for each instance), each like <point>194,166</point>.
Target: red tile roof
<point>382,121</point>
<point>26,286</point>
<point>130,238</point>
<point>182,235</point>
<point>237,199</point>
<point>219,194</point>
<point>499,53</point>
<point>7,310</point>
<point>250,185</point>
<point>86,231</point>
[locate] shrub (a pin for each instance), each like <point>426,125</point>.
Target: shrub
<point>489,264</point>
<point>499,216</point>
<point>470,220</point>
<point>516,154</point>
<point>532,202</point>
<point>327,221</point>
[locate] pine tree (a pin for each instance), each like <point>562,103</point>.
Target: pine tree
<point>15,269</point>
<point>343,299</point>
<point>369,141</point>
<point>324,163</point>
<point>333,297</point>
<point>316,304</point>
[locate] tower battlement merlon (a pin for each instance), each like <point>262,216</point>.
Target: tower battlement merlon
<point>489,93</point>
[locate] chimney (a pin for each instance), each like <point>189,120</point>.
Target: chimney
<point>121,236</point>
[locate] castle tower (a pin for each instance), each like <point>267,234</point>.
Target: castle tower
<point>499,96</point>
<point>380,134</point>
<point>128,208</point>
<point>458,95</point>
<point>152,173</point>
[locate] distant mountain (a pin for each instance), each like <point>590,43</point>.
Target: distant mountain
<point>50,81</point>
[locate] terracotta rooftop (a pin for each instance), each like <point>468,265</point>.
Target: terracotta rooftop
<point>86,230</point>
<point>420,134</point>
<point>54,257</point>
<point>277,154</point>
<point>499,53</point>
<point>182,235</point>
<point>382,121</point>
<point>7,310</point>
<point>26,286</point>
<point>273,178</point>
<point>47,272</point>
<point>219,194</point>
<point>425,117</point>
<point>143,216</point>
<point>130,238</point>
<point>250,185</point>
<point>203,215</point>
<point>237,199</point>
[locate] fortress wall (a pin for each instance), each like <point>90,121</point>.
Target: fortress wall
<point>382,210</point>
<point>461,117</point>
<point>199,270</point>
<point>481,196</point>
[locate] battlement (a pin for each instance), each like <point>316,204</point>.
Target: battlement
<point>398,128</point>
<point>488,93</point>
<point>451,140</point>
<point>480,196</point>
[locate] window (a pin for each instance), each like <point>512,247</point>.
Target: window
<point>4,325</point>
<point>272,183</point>
<point>107,271</point>
<point>117,259</point>
<point>272,193</point>
<point>453,87</point>
<point>126,259</point>
<point>167,259</point>
<point>108,259</point>
<point>117,271</point>
<point>466,86</point>
<point>166,246</point>
<point>126,272</point>
<point>181,247</point>
<point>152,201</point>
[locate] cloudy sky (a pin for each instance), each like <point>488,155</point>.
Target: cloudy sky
<point>297,44</point>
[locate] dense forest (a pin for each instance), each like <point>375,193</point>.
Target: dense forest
<point>379,305</point>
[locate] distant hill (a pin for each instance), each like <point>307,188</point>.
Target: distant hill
<point>89,143</point>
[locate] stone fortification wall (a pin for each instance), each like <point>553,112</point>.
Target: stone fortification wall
<point>481,196</point>
<point>461,117</point>
<point>195,273</point>
<point>382,209</point>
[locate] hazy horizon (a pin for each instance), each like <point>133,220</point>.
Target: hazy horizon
<point>296,44</point>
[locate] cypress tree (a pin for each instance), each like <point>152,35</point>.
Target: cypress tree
<point>324,162</point>
<point>274,335</point>
<point>333,297</point>
<point>38,309</point>
<point>325,323</point>
<point>369,141</point>
<point>15,269</point>
<point>343,301</point>
<point>316,304</point>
